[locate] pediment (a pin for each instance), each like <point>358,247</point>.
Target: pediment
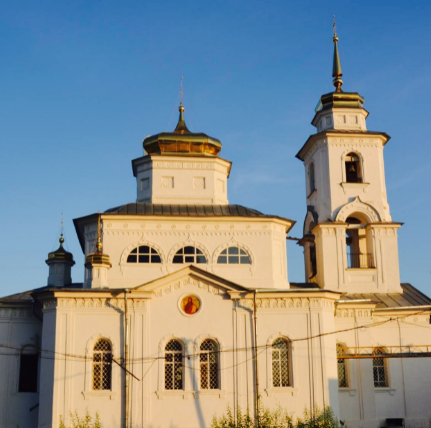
<point>190,276</point>
<point>360,207</point>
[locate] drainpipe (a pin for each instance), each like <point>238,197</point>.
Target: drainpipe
<point>126,357</point>
<point>255,359</point>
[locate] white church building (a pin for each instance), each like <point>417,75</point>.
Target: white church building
<point>186,308</point>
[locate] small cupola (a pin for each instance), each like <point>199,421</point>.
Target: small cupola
<point>60,263</point>
<point>182,141</point>
<point>97,265</point>
<point>339,110</point>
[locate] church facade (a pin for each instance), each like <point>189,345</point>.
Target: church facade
<point>186,308</point>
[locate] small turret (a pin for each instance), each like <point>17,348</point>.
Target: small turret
<point>60,263</point>
<point>97,265</point>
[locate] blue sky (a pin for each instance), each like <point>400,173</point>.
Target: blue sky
<point>82,83</point>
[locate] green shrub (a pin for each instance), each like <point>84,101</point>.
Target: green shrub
<point>278,418</point>
<point>82,422</point>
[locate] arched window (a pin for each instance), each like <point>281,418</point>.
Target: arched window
<point>281,363</point>
<point>174,365</point>
<point>208,358</point>
<point>342,367</point>
<point>189,255</point>
<point>28,369</point>
<point>311,178</point>
<point>313,260</point>
<point>380,370</point>
<point>144,254</point>
<point>234,256</point>
<point>359,244</point>
<point>353,168</point>
<point>102,365</point>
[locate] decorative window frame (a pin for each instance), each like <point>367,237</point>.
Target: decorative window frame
<point>388,387</point>
<point>196,366</point>
<point>343,166</point>
<point>18,368</point>
<point>311,191</point>
<point>270,389</point>
<point>234,243</point>
<point>357,206</point>
<point>346,369</point>
<point>143,241</point>
<point>89,392</point>
<point>161,392</point>
<point>188,243</point>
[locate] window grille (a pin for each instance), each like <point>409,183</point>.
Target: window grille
<point>208,359</point>
<point>144,254</point>
<point>174,365</point>
<point>380,370</point>
<point>280,363</point>
<point>342,368</point>
<point>189,255</point>
<point>28,369</point>
<point>234,256</point>
<point>102,365</point>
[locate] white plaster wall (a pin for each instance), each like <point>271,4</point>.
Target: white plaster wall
<point>409,379</point>
<point>81,319</point>
<point>18,328</point>
<point>264,240</point>
<point>332,191</point>
<point>182,180</point>
<point>341,119</point>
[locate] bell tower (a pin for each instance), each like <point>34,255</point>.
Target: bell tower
<point>350,241</point>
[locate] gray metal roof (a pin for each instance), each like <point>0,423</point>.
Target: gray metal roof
<point>140,208</point>
<point>411,297</point>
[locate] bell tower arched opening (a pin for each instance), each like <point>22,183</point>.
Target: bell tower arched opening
<point>353,168</point>
<point>358,242</point>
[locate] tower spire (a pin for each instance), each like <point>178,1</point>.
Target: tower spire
<point>336,67</point>
<point>181,127</point>
<point>99,237</point>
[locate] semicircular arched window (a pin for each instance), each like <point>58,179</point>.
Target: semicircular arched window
<point>189,254</point>
<point>144,254</point>
<point>281,376</point>
<point>234,256</point>
<point>102,365</point>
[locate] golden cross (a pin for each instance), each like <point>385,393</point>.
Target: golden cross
<point>181,89</point>
<point>334,25</point>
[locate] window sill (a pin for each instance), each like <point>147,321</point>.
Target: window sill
<point>391,391</point>
<point>361,269</point>
<point>283,390</point>
<point>351,391</point>
<point>219,393</point>
<point>185,395</point>
<point>88,395</point>
<point>363,186</point>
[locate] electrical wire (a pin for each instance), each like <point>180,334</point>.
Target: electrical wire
<point>82,358</point>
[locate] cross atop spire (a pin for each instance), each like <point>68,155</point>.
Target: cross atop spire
<point>99,235</point>
<point>181,127</point>
<point>336,67</point>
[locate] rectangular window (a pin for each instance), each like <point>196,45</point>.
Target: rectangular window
<point>28,369</point>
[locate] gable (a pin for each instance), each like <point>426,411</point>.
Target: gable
<point>190,276</point>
